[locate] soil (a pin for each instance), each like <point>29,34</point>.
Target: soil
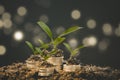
<point>72,61</point>
<point>19,71</point>
<point>35,58</point>
<point>59,53</point>
<point>45,64</point>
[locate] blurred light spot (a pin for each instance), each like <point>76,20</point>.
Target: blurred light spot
<point>44,18</point>
<point>1,24</point>
<point>29,26</point>
<point>43,3</point>
<point>75,14</point>
<point>2,50</point>
<point>91,24</point>
<point>2,9</point>
<point>73,42</point>
<point>22,11</point>
<point>6,15</point>
<point>35,40</point>
<point>42,36</point>
<point>107,29</point>
<point>90,41</point>
<point>18,35</point>
<point>7,23</point>
<point>38,32</point>
<point>60,29</point>
<point>117,31</point>
<point>18,19</point>
<point>103,45</point>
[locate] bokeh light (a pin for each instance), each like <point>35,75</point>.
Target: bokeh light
<point>44,18</point>
<point>2,9</point>
<point>22,11</point>
<point>38,34</point>
<point>91,23</point>
<point>103,45</point>
<point>35,40</point>
<point>18,35</point>
<point>7,23</point>
<point>6,15</point>
<point>1,23</point>
<point>117,31</point>
<point>2,50</point>
<point>90,41</point>
<point>107,29</point>
<point>75,14</point>
<point>73,42</point>
<point>59,30</point>
<point>41,36</point>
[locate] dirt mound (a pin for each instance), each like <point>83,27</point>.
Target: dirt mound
<point>19,71</point>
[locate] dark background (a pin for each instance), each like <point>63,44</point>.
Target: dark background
<point>59,14</point>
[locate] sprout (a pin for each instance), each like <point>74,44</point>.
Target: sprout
<point>55,42</point>
<point>73,52</point>
<point>35,50</point>
<point>59,39</point>
<point>46,29</point>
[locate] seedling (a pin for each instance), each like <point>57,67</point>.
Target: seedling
<point>35,50</point>
<point>59,39</point>
<point>73,52</point>
<point>72,63</point>
<point>38,50</point>
<point>54,41</point>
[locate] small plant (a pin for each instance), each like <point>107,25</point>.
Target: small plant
<point>60,38</point>
<point>73,52</point>
<point>38,50</point>
<point>72,63</point>
<point>54,41</point>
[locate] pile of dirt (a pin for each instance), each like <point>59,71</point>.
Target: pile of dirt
<point>19,71</point>
<point>16,71</point>
<point>35,58</point>
<point>72,61</point>
<point>45,64</point>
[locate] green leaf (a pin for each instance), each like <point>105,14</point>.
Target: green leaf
<point>70,30</point>
<point>54,51</point>
<point>74,52</point>
<point>30,46</point>
<point>68,47</point>
<point>80,47</point>
<point>46,29</point>
<point>38,50</point>
<point>41,42</point>
<point>58,40</point>
<point>45,45</point>
<point>46,57</point>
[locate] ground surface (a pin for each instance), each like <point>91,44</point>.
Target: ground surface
<point>19,71</point>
